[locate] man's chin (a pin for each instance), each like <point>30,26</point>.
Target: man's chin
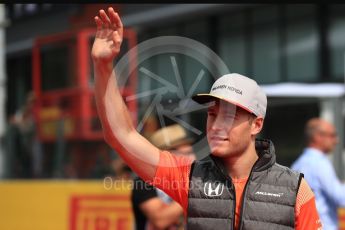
<point>218,153</point>
<point>223,153</point>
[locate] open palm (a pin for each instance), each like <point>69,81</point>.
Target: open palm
<point>108,36</point>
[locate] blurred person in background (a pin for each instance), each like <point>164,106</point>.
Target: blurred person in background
<point>238,185</point>
<point>29,145</point>
<point>121,169</point>
<point>321,139</point>
<point>154,209</point>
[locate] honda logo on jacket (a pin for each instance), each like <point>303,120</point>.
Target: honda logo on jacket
<point>213,189</point>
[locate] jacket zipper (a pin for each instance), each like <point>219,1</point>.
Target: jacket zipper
<point>232,190</point>
<point>244,195</point>
<point>234,206</point>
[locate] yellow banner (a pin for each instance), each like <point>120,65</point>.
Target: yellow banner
<point>65,205</point>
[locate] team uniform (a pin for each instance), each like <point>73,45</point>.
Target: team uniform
<point>173,176</point>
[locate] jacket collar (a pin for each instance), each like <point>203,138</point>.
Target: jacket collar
<point>266,152</point>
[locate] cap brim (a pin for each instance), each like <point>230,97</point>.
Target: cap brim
<point>204,98</point>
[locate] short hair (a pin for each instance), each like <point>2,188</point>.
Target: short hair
<point>312,127</point>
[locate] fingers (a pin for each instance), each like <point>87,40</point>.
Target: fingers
<point>105,18</point>
<point>117,37</point>
<point>99,23</point>
<point>114,18</point>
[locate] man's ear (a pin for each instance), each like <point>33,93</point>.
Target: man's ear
<point>257,125</point>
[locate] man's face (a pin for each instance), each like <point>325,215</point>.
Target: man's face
<point>229,129</point>
<point>327,137</point>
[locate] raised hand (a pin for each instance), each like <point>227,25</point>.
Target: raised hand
<point>118,129</point>
<point>108,36</point>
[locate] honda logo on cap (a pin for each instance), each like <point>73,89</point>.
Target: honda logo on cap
<point>213,189</point>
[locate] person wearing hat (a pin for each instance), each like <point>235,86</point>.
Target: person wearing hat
<point>238,185</point>
<point>154,209</point>
<point>173,138</point>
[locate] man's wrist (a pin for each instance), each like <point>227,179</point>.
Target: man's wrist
<point>103,62</point>
<point>103,66</point>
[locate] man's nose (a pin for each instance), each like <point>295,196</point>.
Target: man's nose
<point>217,124</point>
<point>222,123</point>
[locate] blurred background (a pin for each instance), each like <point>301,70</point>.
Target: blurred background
<point>53,159</point>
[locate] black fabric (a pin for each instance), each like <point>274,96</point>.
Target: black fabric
<point>300,180</point>
<point>206,213</point>
<point>141,192</point>
<point>268,200</point>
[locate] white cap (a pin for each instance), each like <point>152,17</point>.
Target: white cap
<point>238,90</point>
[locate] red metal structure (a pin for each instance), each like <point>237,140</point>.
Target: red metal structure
<point>63,85</point>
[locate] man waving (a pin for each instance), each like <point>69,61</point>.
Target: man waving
<point>239,185</point>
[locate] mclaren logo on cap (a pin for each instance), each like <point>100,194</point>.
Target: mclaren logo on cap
<point>213,189</point>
